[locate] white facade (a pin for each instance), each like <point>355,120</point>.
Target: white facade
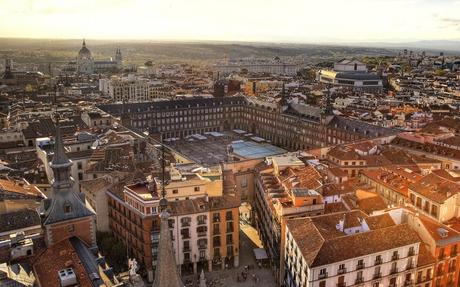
<point>393,266</point>
<point>191,238</point>
<point>133,89</point>
<point>271,68</point>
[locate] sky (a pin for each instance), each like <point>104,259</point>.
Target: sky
<point>299,21</point>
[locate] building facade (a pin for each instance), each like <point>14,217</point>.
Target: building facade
<point>293,126</point>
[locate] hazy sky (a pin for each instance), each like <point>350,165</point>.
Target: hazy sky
<point>243,20</point>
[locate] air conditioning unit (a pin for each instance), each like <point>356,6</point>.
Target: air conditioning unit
<point>67,277</point>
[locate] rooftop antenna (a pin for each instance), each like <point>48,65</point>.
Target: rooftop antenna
<point>163,166</point>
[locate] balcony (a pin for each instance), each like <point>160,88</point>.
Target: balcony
<point>185,235</point>
<point>230,229</point>
<point>202,233</point>
<point>322,276</point>
<point>394,257</point>
<point>342,284</point>
<point>342,271</point>
<point>186,249</point>
<point>377,275</point>
<point>216,231</point>
<point>410,253</point>
<point>378,261</point>
<point>229,218</point>
<point>201,222</point>
<point>420,279</point>
<point>201,247</point>
<point>394,270</point>
<point>359,280</point>
<point>360,266</point>
<point>409,266</point>
<point>185,223</point>
<point>408,282</point>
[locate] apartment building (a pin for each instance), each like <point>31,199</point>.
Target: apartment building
<point>391,182</point>
<point>285,188</point>
<point>344,249</point>
<point>292,126</point>
<point>435,197</point>
<point>133,89</point>
<point>204,223</point>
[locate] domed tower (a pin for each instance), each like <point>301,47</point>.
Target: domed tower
<point>85,61</point>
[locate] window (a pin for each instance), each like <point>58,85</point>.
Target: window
<point>79,165</point>
<point>411,251</point>
<point>216,217</point>
<point>229,215</point>
<point>244,182</point>
<point>175,191</point>
<point>197,188</point>
<point>67,208</point>
<point>80,176</point>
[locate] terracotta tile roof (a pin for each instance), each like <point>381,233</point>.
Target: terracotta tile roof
<point>424,256</point>
<point>334,207</point>
<point>371,204</point>
<point>19,219</point>
<point>95,185</point>
<point>55,258</point>
<point>435,188</point>
<point>433,227</point>
<point>344,153</point>
<point>448,174</point>
<point>395,178</point>
<point>306,177</point>
<point>379,221</point>
<point>319,251</point>
<point>19,188</point>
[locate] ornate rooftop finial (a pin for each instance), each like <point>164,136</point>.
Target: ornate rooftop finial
<point>84,43</point>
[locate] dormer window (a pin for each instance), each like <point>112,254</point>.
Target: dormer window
<point>67,208</point>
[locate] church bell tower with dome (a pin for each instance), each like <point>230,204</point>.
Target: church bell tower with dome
<point>85,61</point>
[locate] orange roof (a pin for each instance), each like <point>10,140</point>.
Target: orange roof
<point>55,258</point>
<point>25,189</point>
<point>435,188</point>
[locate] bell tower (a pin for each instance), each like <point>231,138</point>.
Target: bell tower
<point>64,214</point>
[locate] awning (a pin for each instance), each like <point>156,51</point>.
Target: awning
<point>260,253</point>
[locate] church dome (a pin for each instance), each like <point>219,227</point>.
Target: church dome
<point>84,52</point>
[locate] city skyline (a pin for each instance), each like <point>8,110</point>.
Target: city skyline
<point>290,21</point>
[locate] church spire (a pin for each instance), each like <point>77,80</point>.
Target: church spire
<point>84,43</point>
<point>166,274</point>
<point>65,207</point>
<point>60,163</point>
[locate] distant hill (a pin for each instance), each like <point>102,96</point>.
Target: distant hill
<point>434,46</point>
<point>42,50</point>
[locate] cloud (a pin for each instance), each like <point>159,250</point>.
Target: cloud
<point>450,23</point>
